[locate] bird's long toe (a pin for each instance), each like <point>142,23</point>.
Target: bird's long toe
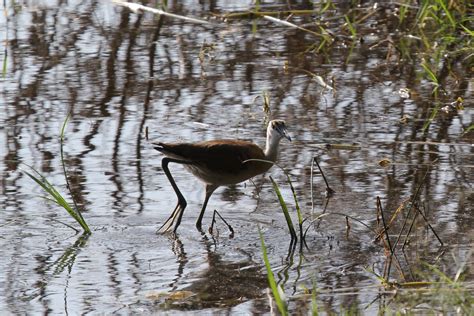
<point>174,219</point>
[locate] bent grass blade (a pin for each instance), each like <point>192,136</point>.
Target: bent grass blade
<point>54,195</point>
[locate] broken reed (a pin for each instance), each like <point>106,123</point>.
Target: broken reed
<point>53,194</point>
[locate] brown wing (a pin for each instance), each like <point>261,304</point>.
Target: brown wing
<point>223,156</point>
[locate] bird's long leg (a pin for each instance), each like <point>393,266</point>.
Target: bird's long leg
<point>179,209</point>
<point>210,188</point>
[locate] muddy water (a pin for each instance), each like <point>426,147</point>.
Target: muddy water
<point>119,73</point>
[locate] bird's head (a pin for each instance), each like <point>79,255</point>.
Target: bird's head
<point>277,130</point>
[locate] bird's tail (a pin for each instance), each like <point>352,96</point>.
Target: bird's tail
<point>159,146</point>
<point>169,150</point>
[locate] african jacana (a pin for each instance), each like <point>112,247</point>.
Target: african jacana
<point>217,163</point>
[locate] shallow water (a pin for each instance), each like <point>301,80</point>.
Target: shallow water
<point>120,73</point>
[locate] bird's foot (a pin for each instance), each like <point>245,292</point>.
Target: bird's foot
<point>175,217</point>
<point>211,228</point>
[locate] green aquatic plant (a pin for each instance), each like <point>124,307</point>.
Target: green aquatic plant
<point>469,129</point>
<point>53,194</point>
<point>438,292</point>
<point>276,290</point>
<point>351,27</point>
<point>284,208</point>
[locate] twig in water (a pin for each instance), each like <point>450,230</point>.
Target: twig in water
<point>135,7</point>
<point>387,237</point>
<point>286,23</point>
<point>329,192</point>
<point>429,225</point>
<point>348,227</point>
<point>415,196</point>
<point>392,219</point>
<point>412,205</point>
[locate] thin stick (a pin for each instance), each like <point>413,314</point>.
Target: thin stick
<point>429,225</point>
<point>385,229</point>
<point>244,14</point>
<point>348,227</point>
<point>324,211</point>
<point>135,7</point>
<point>345,215</point>
<point>405,242</point>
<point>286,23</point>
<point>408,214</point>
<point>65,224</point>
<point>329,191</point>
<point>392,219</point>
<point>311,188</point>
<point>304,236</point>
<point>415,197</point>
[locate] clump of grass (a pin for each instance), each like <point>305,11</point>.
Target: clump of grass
<point>53,194</point>
<point>443,30</point>
<point>441,294</point>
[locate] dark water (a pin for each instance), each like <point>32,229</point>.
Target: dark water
<point>119,72</point>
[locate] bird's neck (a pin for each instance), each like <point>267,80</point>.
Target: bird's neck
<point>271,148</point>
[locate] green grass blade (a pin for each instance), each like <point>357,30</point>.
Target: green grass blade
<point>422,13</point>
<point>403,12</point>
<point>57,198</point>
<point>63,127</point>
<point>55,195</point>
<point>314,304</point>
<point>430,73</point>
<point>470,128</point>
<point>41,183</point>
<point>4,64</point>
<point>284,208</point>
<point>297,205</point>
<point>76,210</point>
<point>431,118</point>
<point>271,279</point>
<point>77,213</point>
<point>351,27</point>
<point>468,31</point>
<point>447,12</point>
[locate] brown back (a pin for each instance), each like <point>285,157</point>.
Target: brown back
<point>222,156</point>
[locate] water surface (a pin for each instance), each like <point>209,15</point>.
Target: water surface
<point>118,73</point>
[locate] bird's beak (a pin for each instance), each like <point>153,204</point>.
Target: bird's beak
<point>284,132</point>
